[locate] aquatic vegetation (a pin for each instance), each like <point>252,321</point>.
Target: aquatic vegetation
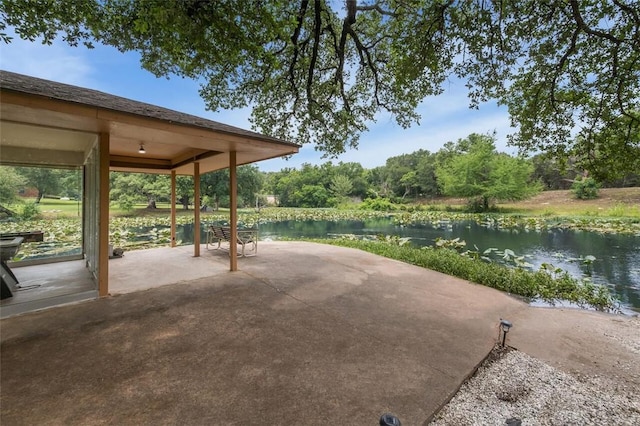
<point>282,214</point>
<point>508,257</point>
<point>61,236</point>
<point>393,240</point>
<point>455,243</point>
<point>528,223</point>
<point>69,229</point>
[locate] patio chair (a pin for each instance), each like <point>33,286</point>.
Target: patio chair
<point>248,237</point>
<point>245,237</point>
<point>215,235</point>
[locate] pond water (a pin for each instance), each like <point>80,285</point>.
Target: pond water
<point>617,263</point>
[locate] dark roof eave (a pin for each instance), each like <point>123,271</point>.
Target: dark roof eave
<point>93,98</point>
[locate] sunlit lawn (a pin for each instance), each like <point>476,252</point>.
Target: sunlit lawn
<point>55,208</point>
<point>612,202</point>
<point>140,209</point>
<point>620,210</point>
<point>50,207</point>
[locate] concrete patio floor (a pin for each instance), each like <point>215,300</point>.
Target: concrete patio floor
<point>303,334</point>
<point>53,284</point>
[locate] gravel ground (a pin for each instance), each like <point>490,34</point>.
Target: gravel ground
<point>513,386</point>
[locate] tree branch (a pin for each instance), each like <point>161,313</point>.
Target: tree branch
<point>352,7</point>
<point>628,9</point>
<point>559,67</point>
<point>577,16</point>
<point>294,40</point>
<point>316,45</point>
<point>339,71</point>
<point>364,52</point>
<point>377,8</point>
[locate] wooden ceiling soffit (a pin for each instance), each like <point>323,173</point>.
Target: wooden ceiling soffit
<point>198,157</point>
<point>124,162</point>
<point>121,161</point>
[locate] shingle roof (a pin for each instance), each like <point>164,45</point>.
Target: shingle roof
<point>94,98</point>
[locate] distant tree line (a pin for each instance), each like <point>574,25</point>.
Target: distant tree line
<point>471,168</point>
<point>40,181</point>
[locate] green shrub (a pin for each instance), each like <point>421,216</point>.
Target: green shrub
<point>29,211</point>
<point>126,202</point>
<point>585,189</point>
<point>475,205</point>
<point>378,204</point>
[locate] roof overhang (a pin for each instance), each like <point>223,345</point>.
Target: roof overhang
<point>40,126</point>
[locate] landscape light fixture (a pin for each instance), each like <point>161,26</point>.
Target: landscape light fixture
<point>505,326</point>
<point>142,150</point>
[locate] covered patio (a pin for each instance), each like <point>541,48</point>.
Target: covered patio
<point>305,334</point>
<point>49,124</point>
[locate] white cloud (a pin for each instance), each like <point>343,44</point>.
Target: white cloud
<point>390,140</point>
<point>387,141</point>
<point>55,62</point>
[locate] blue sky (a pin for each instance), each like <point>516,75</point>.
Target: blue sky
<point>444,118</point>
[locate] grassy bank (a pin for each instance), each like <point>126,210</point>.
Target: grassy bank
<point>533,285</point>
<point>611,202</point>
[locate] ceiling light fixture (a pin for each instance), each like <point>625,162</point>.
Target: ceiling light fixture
<point>141,150</point>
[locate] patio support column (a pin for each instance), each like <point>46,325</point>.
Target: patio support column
<point>233,212</point>
<point>103,215</point>
<point>173,208</point>
<point>196,209</point>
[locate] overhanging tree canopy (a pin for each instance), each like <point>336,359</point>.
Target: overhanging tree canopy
<point>568,70</point>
